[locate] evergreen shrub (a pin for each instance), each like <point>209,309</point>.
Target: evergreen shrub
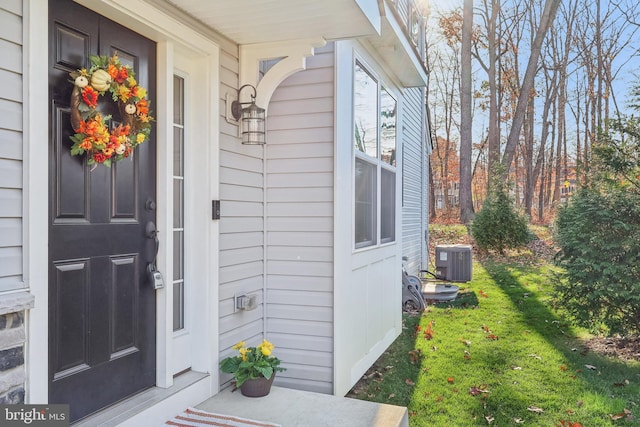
<point>498,225</point>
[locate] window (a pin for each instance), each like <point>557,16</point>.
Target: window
<point>366,113</point>
<point>388,206</point>
<point>178,203</point>
<point>365,203</point>
<point>375,148</point>
<point>388,107</point>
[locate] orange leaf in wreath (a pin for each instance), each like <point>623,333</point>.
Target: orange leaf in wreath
<point>142,107</point>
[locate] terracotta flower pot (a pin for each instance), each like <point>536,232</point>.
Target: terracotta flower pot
<point>258,387</point>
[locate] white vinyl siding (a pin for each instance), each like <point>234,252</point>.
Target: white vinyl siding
<point>11,146</point>
<point>300,157</point>
<point>241,222</point>
<point>414,192</point>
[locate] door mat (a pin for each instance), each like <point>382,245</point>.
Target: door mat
<point>193,417</point>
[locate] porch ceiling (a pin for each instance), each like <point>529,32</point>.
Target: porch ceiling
<point>259,21</point>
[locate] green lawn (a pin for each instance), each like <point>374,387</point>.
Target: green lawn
<point>500,355</point>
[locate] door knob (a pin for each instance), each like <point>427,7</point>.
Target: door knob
<point>150,205</point>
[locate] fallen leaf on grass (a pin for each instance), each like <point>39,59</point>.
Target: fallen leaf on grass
<point>626,414</point>
<point>374,374</point>
<point>392,395</point>
<point>535,356</point>
<point>535,409</point>
<point>492,337</point>
<point>563,367</point>
<point>409,382</point>
<point>450,380</point>
<point>474,391</point>
<point>593,368</point>
<point>516,368</point>
<point>414,355</point>
<point>567,423</point>
<point>428,332</point>
<point>483,294</point>
<point>518,420</point>
<point>489,419</point>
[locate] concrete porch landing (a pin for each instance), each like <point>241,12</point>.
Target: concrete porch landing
<point>290,408</point>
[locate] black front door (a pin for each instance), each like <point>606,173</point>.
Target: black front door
<point>101,305</point>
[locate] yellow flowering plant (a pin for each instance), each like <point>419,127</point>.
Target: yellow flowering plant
<point>251,362</point>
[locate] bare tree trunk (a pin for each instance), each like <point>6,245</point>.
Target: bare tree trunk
<point>599,58</point>
<point>558,166</point>
<point>546,123</point>
<point>494,116</point>
<point>528,157</point>
<point>548,15</point>
<point>578,144</point>
<point>466,120</point>
<point>541,192</point>
<point>550,162</point>
<point>529,139</point>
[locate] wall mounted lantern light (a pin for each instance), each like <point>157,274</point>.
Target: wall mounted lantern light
<point>251,118</point>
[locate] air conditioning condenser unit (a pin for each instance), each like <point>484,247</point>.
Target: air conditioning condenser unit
<point>453,263</point>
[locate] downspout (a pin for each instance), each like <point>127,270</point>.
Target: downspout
<point>427,150</point>
<point>425,193</point>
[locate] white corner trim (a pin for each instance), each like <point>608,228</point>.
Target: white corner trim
<point>294,54</point>
<point>35,211</point>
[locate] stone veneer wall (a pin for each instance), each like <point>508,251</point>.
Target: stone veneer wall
<point>13,309</point>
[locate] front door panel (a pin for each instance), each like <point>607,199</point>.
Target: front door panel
<point>101,305</point>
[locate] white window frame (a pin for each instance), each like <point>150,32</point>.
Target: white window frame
<point>376,161</point>
<point>181,337</point>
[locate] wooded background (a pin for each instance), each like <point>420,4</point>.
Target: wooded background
<point>523,88</point>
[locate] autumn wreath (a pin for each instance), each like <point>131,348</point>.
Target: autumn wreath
<point>92,133</point>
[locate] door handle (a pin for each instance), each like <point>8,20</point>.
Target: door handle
<point>155,277</point>
<point>152,233</point>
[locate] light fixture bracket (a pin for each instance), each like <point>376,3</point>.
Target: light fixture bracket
<point>236,105</point>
